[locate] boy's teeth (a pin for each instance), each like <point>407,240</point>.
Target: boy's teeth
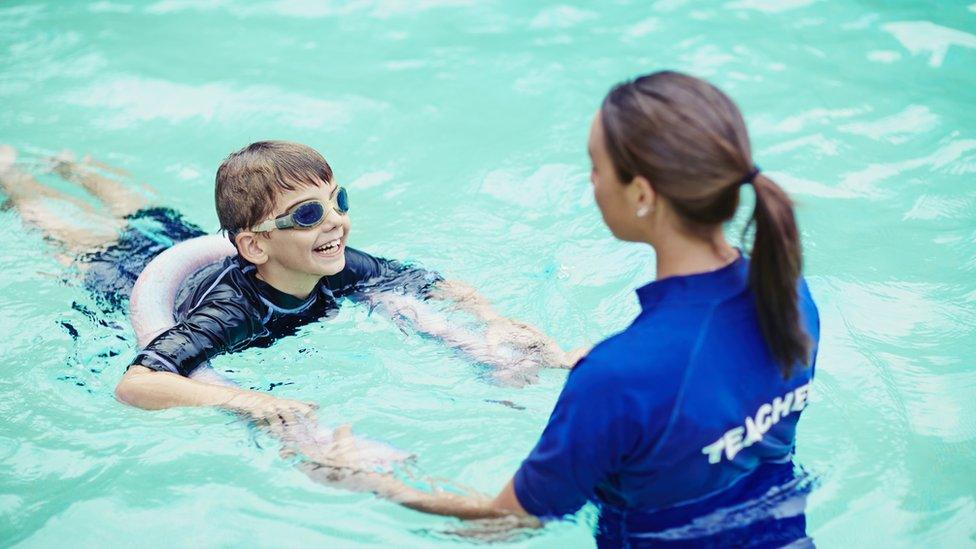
<point>328,246</point>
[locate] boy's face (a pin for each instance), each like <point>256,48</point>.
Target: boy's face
<point>309,253</point>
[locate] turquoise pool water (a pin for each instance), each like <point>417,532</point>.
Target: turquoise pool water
<point>459,127</point>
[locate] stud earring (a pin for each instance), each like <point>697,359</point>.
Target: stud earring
<point>643,211</point>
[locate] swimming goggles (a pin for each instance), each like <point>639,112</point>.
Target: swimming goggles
<point>306,214</point>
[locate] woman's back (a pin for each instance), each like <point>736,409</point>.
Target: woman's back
<point>679,408</point>
<point>681,428</point>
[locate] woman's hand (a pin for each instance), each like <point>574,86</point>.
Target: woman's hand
<point>342,463</point>
<point>573,357</point>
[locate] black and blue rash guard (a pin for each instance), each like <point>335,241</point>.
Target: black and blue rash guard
<point>225,308</point>
<point>111,273</point>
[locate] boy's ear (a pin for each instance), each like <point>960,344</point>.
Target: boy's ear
<point>251,247</point>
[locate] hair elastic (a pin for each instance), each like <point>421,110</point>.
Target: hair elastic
<point>748,179</point>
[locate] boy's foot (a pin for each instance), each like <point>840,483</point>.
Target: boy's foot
<point>8,155</point>
<point>62,163</point>
<point>120,199</point>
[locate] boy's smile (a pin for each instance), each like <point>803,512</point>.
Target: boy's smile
<point>331,248</point>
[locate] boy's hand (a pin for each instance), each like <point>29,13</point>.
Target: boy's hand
<point>530,340</point>
<point>465,297</point>
<point>278,412</point>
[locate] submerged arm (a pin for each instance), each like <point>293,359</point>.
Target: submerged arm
<point>515,349</point>
<point>465,298</point>
<point>341,464</point>
<point>503,330</point>
<point>511,365</point>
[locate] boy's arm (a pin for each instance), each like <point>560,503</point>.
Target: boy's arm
<point>378,277</point>
<point>152,390</point>
<point>502,329</point>
<point>466,298</point>
<point>160,375</point>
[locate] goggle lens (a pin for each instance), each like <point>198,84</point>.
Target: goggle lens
<point>308,214</point>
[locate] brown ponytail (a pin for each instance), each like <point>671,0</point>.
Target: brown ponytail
<point>688,139</point>
<point>773,273</point>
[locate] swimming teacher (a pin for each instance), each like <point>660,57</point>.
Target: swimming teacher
<point>693,408</point>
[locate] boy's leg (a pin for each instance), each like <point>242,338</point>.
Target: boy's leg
<point>120,199</point>
<point>65,219</point>
<point>106,167</point>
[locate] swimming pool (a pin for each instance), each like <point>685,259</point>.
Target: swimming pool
<point>460,128</point>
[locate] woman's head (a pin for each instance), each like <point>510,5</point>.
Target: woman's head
<point>670,153</point>
<point>683,139</point>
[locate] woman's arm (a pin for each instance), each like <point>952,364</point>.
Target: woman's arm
<point>341,464</point>
<point>468,507</point>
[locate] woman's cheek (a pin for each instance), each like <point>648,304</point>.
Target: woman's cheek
<point>604,203</point>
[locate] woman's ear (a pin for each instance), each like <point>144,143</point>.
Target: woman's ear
<point>251,247</point>
<point>642,196</point>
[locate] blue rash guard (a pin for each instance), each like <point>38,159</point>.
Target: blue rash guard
<point>683,413</point>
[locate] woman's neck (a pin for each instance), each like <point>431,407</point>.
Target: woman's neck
<point>682,254</point>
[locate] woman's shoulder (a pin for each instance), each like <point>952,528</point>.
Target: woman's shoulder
<point>663,334</point>
<point>636,356</point>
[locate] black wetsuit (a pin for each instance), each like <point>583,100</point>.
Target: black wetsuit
<point>111,273</point>
<point>225,308</point>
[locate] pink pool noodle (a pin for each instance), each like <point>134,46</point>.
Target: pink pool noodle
<point>154,294</point>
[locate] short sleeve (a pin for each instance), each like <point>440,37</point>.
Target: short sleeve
<point>215,326</point>
<point>590,432</point>
<point>365,272</point>
<point>811,319</point>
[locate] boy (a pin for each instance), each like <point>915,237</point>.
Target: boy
<point>289,222</point>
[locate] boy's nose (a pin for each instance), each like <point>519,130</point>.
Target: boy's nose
<point>331,220</point>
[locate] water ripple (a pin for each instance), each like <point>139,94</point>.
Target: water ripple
<point>127,101</point>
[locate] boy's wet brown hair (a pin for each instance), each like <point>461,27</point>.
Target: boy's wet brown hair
<point>250,180</point>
